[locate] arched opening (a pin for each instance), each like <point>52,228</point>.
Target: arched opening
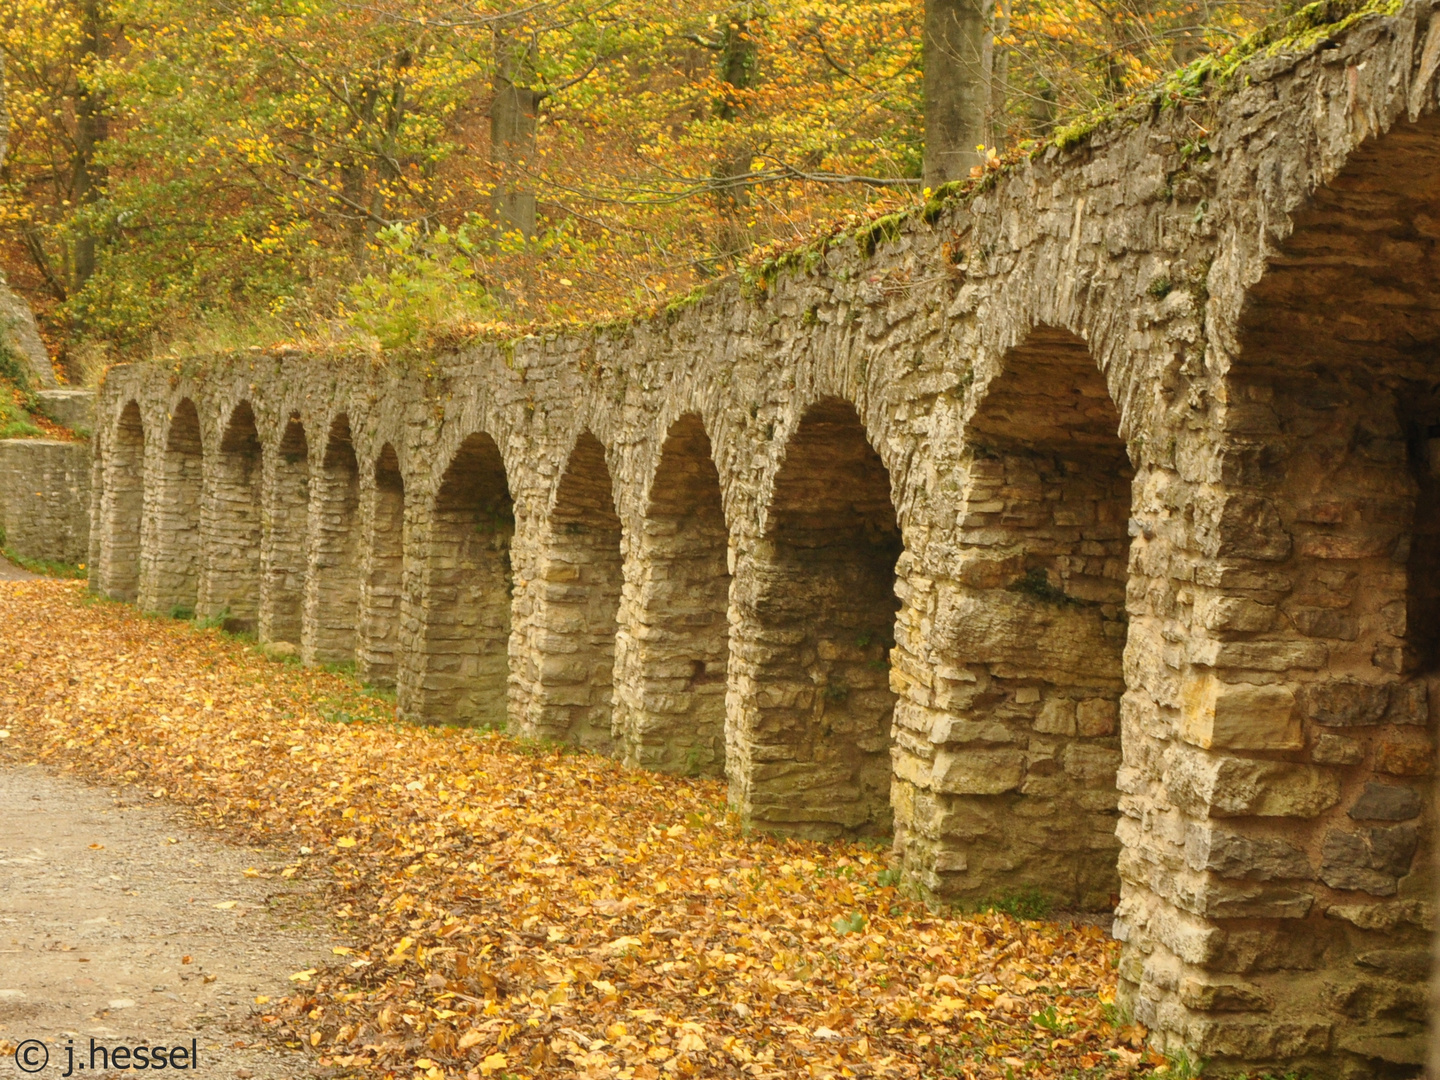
<point>230,561</point>
<point>578,605</point>
<point>817,624</point>
<point>1312,626</point>
<point>174,576</point>
<point>282,606</point>
<point>674,646</point>
<point>333,584</point>
<point>124,507</point>
<point>463,666</point>
<point>383,582</point>
<point>1017,772</point>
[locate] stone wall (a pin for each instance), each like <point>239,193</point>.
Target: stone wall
<point>45,500</point>
<point>1082,538</point>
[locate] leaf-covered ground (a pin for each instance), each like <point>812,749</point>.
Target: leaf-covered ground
<point>517,910</point>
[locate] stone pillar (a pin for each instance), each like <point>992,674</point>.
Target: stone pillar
<point>1008,658</point>
<point>576,604</point>
<point>673,646</point>
<point>1277,827</point>
<point>286,501</point>
<point>122,507</point>
<point>230,528</point>
<point>170,569</point>
<point>456,634</point>
<point>332,586</point>
<point>382,570</point>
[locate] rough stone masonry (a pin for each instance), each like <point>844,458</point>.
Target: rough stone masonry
<point>1084,537</point>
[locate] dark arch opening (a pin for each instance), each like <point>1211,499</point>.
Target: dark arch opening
<point>464,663</point>
<point>817,637</point>
<point>230,560</point>
<point>176,570</point>
<point>384,573</point>
<point>578,605</point>
<point>124,507</point>
<point>333,584</point>
<point>1017,773</point>
<point>672,658</point>
<point>283,603</point>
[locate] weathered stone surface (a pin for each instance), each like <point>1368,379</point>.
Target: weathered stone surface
<point>1239,716</point>
<point>1372,860</point>
<point>44,499</point>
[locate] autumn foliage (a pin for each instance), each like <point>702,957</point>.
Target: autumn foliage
<point>524,910</point>
<point>198,175</point>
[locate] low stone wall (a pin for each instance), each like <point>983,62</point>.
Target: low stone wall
<point>45,498</point>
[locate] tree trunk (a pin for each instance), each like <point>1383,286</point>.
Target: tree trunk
<point>957,86</point>
<point>512,134</point>
<point>739,68</point>
<point>91,129</point>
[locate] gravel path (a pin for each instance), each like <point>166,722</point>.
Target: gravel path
<point>120,923</point>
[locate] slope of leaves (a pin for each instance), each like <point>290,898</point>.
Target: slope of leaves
<point>519,910</point>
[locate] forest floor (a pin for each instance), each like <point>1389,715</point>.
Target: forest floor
<point>458,903</point>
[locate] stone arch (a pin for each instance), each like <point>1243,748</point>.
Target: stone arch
<point>1289,752</point>
<point>808,744</point>
<point>673,647</point>
<point>383,572</point>
<point>287,496</point>
<point>462,666</point>
<point>172,572</point>
<point>123,506</point>
<point>231,527</point>
<point>332,587</point>
<point>1007,769</point>
<point>577,605</point>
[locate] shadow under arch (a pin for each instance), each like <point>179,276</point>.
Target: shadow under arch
<point>577,606</point>
<point>1015,783</point>
<point>673,647</point>
<point>383,572</point>
<point>332,585</point>
<point>1312,624</point>
<point>461,669</point>
<point>231,527</point>
<point>812,708</point>
<point>123,507</point>
<point>170,581</point>
<point>283,559</point>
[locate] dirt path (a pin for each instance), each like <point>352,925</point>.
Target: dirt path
<point>10,572</point>
<point>120,923</point>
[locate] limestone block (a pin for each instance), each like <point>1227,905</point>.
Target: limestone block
<point>1056,717</point>
<point>1371,860</point>
<point>1207,996</point>
<point>977,772</point>
<point>1213,847</point>
<point>1220,786</point>
<point>1239,716</point>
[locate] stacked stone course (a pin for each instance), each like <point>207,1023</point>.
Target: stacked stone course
<point>1084,539</point>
